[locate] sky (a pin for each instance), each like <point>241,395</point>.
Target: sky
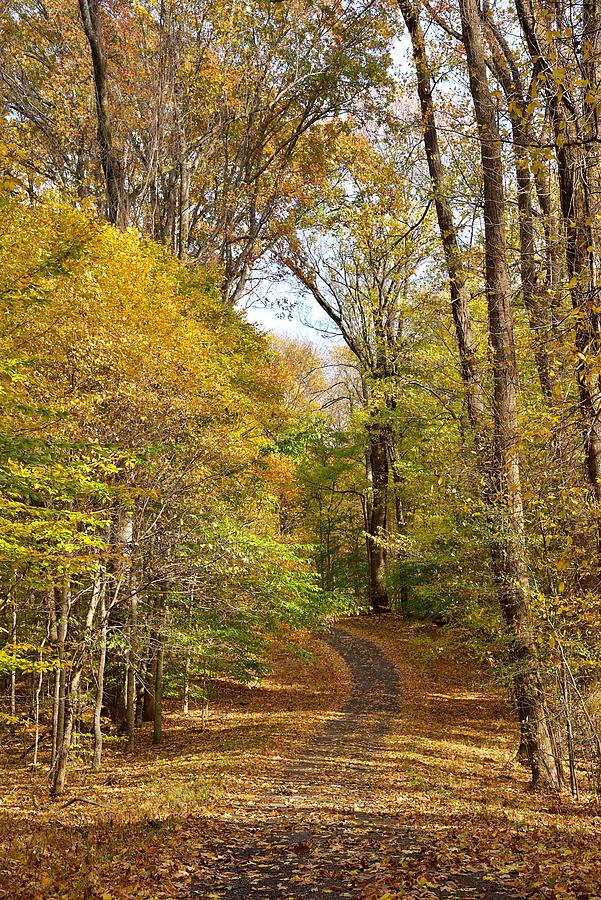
<point>306,322</point>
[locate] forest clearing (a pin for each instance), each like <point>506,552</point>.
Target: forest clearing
<point>300,449</point>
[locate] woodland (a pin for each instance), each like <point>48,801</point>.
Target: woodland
<point>290,617</point>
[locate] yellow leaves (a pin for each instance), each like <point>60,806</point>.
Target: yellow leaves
<point>128,349</point>
<point>425,882</point>
<point>46,882</point>
<point>532,107</point>
<point>115,333</point>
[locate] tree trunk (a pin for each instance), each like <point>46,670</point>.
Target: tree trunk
<point>36,711</point>
<point>508,537</point>
<point>72,685</point>
<point>125,540</point>
<point>60,626</point>
<point>111,165</point>
<point>460,295</point>
<point>13,671</point>
<point>142,683</point>
<point>503,490</point>
<point>580,244</point>
<point>56,692</point>
<point>97,758</point>
<point>401,521</point>
<point>60,769</point>
<point>151,668</point>
<point>538,306</point>
<point>148,710</point>
<point>132,661</point>
<point>377,467</point>
<point>576,139</point>
<point>184,207</point>
<point>186,697</point>
<point>157,737</point>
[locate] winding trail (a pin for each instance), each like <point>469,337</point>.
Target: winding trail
<point>324,827</point>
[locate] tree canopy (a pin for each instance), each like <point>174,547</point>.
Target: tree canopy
<point>178,487</point>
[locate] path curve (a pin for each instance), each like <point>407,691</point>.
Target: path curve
<point>323,828</point>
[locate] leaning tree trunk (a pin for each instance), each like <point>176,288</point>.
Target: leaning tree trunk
<point>509,536</point>
<point>71,696</point>
<point>60,605</point>
<point>460,294</point>
<point>60,768</point>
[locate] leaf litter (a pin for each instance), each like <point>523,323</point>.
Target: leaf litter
<point>383,769</point>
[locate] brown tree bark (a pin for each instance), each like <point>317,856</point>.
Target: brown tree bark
<point>508,539</point>
<point>537,301</point>
<point>97,758</point>
<point>71,692</point>
<point>157,737</point>
<point>13,671</point>
<point>460,294</point>
<point>60,769</point>
<point>148,705</point>
<point>377,512</point>
<point>132,663</point>
<point>145,710</point>
<point>186,692</point>
<point>457,277</point>
<point>111,165</point>
<point>576,132</point>
<point>60,605</point>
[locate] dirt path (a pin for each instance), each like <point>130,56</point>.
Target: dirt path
<point>329,825</point>
<point>383,769</point>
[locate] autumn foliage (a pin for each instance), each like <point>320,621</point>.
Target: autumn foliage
<point>184,494</point>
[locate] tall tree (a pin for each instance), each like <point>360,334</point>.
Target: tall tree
<point>355,258</point>
<point>91,16</point>
<point>458,278</point>
<point>509,537</point>
<point>568,74</point>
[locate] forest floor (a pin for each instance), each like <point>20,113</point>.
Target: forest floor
<point>383,768</point>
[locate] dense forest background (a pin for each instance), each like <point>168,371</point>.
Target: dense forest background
<point>178,489</point>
